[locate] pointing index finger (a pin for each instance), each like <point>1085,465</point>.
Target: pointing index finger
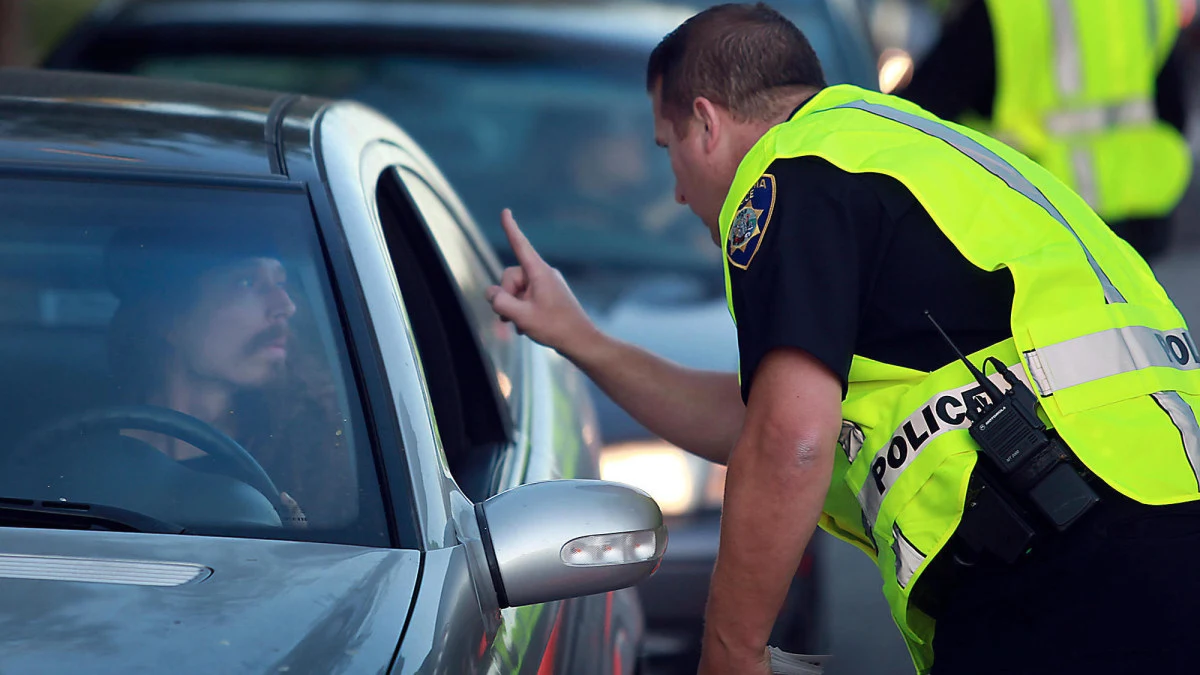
<point>526,255</point>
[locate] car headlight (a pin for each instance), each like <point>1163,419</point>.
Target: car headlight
<point>679,481</point>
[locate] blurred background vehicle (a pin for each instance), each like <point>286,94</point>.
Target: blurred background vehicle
<point>543,108</point>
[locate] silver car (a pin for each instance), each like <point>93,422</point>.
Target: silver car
<point>259,417</point>
<point>541,107</point>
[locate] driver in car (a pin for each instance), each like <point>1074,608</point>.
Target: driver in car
<point>204,327</point>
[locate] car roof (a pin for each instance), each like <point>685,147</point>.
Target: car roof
<point>100,120</point>
<point>634,25</point>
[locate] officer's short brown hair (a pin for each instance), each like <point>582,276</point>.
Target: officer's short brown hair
<point>739,56</point>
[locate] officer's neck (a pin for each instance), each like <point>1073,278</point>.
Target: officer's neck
<point>783,105</point>
<point>791,103</point>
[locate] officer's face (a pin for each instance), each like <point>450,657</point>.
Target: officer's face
<point>237,330</point>
<point>696,181</point>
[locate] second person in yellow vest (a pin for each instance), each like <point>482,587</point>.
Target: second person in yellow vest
<point>1093,90</point>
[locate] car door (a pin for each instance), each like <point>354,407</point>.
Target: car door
<point>469,386</point>
<point>472,382</point>
<point>553,423</point>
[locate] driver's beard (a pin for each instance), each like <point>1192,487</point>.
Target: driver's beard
<point>293,427</point>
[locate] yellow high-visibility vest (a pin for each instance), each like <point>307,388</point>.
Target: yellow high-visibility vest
<point>1093,334</point>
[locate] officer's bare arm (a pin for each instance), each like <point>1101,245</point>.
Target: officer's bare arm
<point>699,411</point>
<point>778,475</point>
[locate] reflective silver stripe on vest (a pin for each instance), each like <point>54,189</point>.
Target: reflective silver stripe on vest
<point>997,167</point>
<point>1121,350</point>
<point>1139,112</point>
<point>908,557</point>
<point>851,439</point>
<point>1152,24</point>
<point>1110,352</point>
<point>1185,420</point>
<point>1085,175</point>
<point>944,411</point>
<point>1181,414</point>
<point>1068,66</point>
<point>889,462</point>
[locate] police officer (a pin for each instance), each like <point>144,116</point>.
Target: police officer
<point>1091,89</point>
<point>844,216</point>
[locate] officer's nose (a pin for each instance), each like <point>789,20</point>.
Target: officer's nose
<point>679,198</point>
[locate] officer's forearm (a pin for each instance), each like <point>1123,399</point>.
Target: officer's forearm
<point>699,411</point>
<point>774,492</point>
<point>778,476</point>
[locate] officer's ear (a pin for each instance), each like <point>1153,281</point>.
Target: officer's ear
<point>708,122</point>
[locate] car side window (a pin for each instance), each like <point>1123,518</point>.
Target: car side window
<point>175,350</point>
<point>472,423</point>
<point>498,338</point>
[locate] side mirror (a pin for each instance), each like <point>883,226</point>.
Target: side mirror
<point>566,538</point>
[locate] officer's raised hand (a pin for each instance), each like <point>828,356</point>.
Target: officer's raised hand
<point>535,297</point>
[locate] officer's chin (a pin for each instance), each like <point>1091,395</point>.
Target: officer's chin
<point>714,233</point>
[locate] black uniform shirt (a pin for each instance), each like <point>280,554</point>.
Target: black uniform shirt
<point>958,75</point>
<point>847,264</point>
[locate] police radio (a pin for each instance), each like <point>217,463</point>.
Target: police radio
<point>1024,462</point>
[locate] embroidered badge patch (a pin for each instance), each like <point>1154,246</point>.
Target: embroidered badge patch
<point>750,222</point>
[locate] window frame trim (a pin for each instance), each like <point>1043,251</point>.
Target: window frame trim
<point>509,413</point>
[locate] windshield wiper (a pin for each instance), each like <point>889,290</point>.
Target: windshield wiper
<point>77,516</point>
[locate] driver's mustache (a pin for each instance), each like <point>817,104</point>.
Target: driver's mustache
<point>267,337</point>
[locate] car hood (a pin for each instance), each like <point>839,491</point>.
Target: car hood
<point>100,602</point>
<point>680,317</point>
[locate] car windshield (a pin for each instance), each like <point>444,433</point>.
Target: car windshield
<point>176,352</point>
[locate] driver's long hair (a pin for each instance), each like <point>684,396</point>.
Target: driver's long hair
<point>294,427</point>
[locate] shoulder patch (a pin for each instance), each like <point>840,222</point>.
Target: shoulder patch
<point>750,222</point>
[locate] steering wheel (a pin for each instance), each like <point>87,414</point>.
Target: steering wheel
<point>164,421</point>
